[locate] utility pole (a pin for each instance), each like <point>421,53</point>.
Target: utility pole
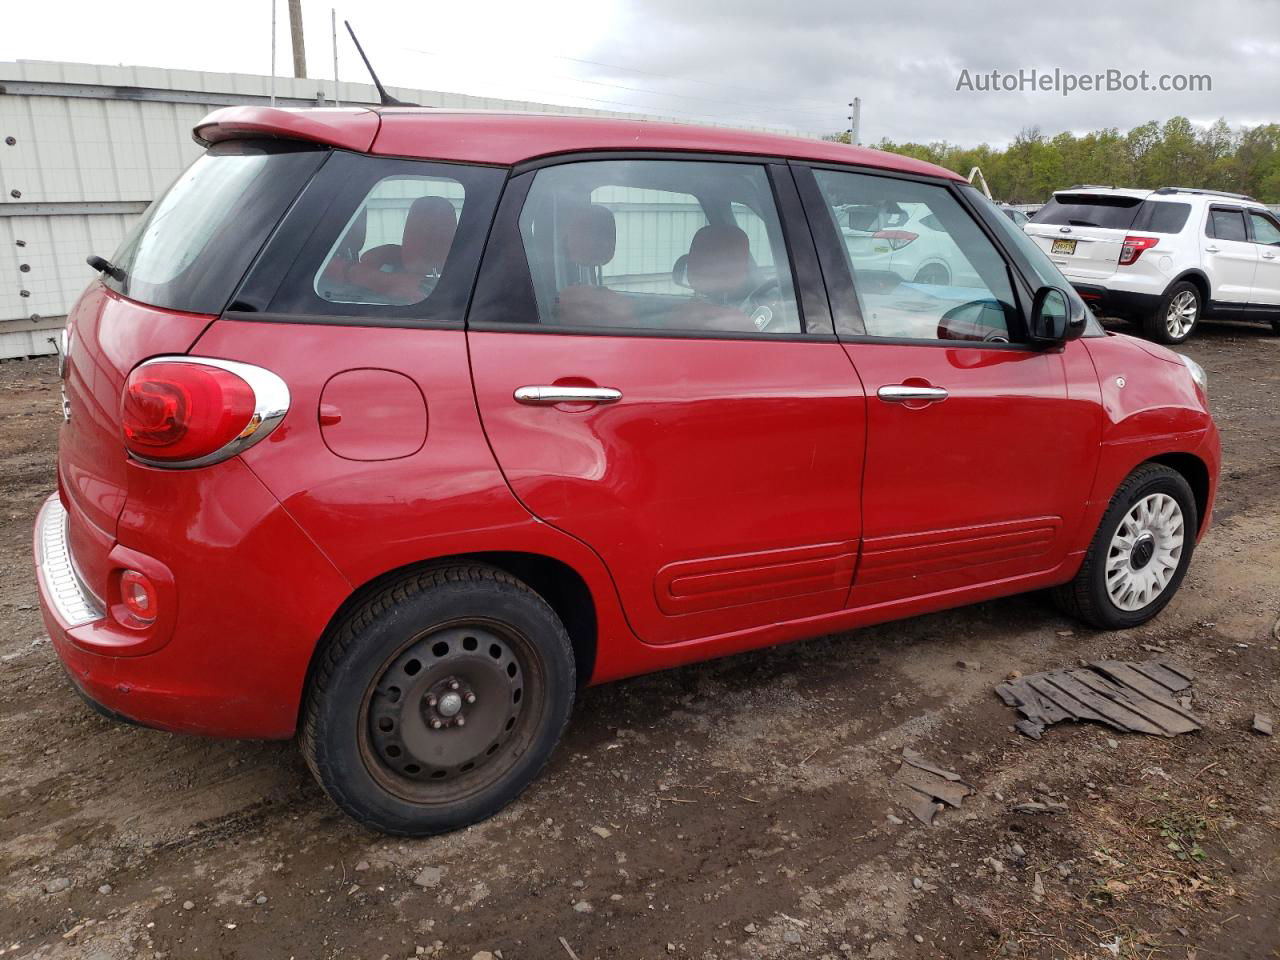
<point>295,31</point>
<point>855,119</point>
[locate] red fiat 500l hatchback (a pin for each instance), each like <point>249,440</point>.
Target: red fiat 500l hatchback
<point>392,428</point>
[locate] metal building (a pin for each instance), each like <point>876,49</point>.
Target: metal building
<point>85,148</point>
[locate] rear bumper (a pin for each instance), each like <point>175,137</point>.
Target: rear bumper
<point>1110,302</point>
<point>249,597</point>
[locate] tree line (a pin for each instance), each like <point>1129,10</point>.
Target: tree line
<point>1175,153</point>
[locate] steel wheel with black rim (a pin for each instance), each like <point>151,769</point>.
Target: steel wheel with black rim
<point>1177,314</point>
<point>1139,554</point>
<point>437,700</point>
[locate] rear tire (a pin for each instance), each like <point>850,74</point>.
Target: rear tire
<point>1139,554</point>
<point>1177,316</point>
<point>434,702</point>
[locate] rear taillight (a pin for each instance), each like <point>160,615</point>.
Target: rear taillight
<point>1133,247</point>
<point>188,412</point>
<point>897,239</point>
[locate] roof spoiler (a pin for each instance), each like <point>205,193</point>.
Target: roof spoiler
<point>350,128</point>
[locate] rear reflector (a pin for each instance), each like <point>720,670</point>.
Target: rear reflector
<point>189,412</point>
<point>138,597</point>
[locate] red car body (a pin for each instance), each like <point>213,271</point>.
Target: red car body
<point>744,493</point>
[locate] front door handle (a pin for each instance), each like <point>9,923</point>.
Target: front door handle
<point>1268,256</point>
<point>1210,249</point>
<point>904,393</point>
<point>543,396</point>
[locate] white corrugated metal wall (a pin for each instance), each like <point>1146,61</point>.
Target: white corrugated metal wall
<point>85,148</point>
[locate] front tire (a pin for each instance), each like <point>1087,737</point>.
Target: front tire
<point>1139,554</point>
<point>1177,315</point>
<point>435,701</point>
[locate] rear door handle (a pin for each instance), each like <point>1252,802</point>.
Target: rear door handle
<point>1268,256</point>
<point>902,393</point>
<point>544,396</point>
<point>1210,249</point>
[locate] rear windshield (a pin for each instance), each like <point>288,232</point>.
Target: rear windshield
<point>192,246</point>
<point>1089,210</point>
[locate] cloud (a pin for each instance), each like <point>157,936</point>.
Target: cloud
<point>800,62</point>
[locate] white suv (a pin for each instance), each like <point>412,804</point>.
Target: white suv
<point>1164,258</point>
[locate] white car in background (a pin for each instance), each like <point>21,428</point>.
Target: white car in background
<point>905,239</point>
<point>1165,258</point>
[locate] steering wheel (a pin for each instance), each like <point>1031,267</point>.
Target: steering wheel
<point>761,303</point>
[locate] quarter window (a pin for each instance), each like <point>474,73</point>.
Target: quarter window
<point>921,267</point>
<point>394,247</point>
<point>659,245</point>
<point>375,238</point>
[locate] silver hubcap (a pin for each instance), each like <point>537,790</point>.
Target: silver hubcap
<point>1182,314</point>
<point>1145,551</point>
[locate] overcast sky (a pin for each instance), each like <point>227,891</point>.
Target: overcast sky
<point>787,63</point>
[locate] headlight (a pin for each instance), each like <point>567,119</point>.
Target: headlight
<point>1197,373</point>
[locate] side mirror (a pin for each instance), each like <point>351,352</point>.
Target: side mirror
<point>1055,317</point>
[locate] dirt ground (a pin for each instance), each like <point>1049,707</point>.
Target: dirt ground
<point>739,808</point>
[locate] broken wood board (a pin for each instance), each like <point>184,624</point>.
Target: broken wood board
<point>924,788</point>
<point>1126,696</point>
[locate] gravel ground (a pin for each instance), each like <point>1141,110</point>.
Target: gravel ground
<point>740,808</point>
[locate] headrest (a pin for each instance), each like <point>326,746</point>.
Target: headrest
<point>428,234</point>
<point>719,260</point>
<point>590,235</point>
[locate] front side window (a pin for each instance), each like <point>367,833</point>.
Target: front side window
<point>1226,224</point>
<point>658,245</point>
<point>922,269</point>
<point>1264,229</point>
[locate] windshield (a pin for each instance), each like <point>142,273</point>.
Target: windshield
<point>192,246</point>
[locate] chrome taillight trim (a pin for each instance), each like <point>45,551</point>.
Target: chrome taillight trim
<point>73,603</point>
<point>271,403</point>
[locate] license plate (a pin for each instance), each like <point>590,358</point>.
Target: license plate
<point>1067,247</point>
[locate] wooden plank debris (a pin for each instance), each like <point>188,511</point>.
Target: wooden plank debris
<point>924,788</point>
<point>1129,697</point>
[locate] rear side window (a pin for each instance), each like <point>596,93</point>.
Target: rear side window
<point>658,245</point>
<point>1089,210</point>
<point>194,244</point>
<point>374,238</point>
<point>1226,224</point>
<point>1162,216</point>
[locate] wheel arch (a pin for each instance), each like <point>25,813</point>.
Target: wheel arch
<point>1197,277</point>
<point>559,584</point>
<point>1196,472</point>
